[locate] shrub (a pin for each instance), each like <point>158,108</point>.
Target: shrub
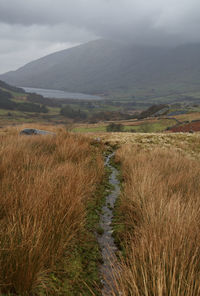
<point>115,127</point>
<point>67,111</point>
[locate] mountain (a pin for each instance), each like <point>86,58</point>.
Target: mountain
<point>104,66</point>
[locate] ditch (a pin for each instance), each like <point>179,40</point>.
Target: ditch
<point>106,240</point>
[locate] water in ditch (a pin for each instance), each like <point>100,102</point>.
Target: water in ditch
<point>106,240</point>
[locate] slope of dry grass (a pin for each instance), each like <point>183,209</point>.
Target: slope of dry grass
<point>160,211</point>
<point>187,143</point>
<point>45,185</point>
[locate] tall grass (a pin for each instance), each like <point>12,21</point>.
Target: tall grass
<point>160,207</point>
<point>45,184</point>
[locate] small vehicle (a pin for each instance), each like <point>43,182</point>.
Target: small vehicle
<point>33,131</point>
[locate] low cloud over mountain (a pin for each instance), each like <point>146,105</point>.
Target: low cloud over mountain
<point>106,66</point>
<point>31,29</point>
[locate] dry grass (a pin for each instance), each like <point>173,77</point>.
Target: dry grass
<point>160,207</point>
<point>189,116</point>
<point>187,143</point>
<point>46,182</point>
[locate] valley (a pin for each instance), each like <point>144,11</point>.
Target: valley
<point>17,106</point>
<point>99,148</point>
<point>116,69</point>
<point>115,173</point>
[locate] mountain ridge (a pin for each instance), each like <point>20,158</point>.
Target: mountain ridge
<point>104,66</point>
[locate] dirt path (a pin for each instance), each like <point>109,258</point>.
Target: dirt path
<point>106,240</point>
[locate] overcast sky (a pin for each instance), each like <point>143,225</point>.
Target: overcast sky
<point>30,29</point>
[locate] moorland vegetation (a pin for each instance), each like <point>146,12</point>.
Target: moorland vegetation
<point>47,185</point>
<point>157,221</point>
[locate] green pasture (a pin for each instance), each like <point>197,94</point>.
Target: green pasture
<point>145,127</point>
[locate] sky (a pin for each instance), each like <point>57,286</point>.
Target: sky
<point>30,29</point>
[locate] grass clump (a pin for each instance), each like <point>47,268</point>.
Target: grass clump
<point>160,215</point>
<point>46,186</point>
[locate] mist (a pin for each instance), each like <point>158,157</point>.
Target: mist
<point>31,29</point>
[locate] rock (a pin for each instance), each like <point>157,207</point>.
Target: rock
<point>33,131</point>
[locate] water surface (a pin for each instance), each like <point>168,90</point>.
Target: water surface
<point>106,241</point>
<point>59,94</point>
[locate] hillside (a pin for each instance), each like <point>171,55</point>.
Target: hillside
<point>17,102</point>
<point>7,94</point>
<point>10,88</point>
<point>106,66</point>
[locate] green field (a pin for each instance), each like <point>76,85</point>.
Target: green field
<point>118,106</point>
<point>144,127</point>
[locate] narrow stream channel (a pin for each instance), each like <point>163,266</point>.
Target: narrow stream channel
<point>106,240</point>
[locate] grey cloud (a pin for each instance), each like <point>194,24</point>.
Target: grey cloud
<point>45,25</point>
<point>21,44</point>
<point>105,18</point>
<point>14,54</point>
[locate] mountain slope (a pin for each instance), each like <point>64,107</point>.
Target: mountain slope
<point>105,66</point>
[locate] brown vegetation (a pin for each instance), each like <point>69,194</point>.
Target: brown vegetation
<point>189,127</point>
<point>188,116</point>
<point>160,211</point>
<point>46,183</point>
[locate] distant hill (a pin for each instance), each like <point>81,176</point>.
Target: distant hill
<point>105,66</point>
<point>10,88</point>
<point>14,98</point>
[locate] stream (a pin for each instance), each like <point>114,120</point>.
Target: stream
<point>106,241</point>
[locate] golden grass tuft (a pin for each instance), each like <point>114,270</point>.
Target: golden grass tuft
<point>160,207</point>
<point>46,182</point>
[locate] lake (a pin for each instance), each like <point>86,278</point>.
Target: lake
<point>59,94</point>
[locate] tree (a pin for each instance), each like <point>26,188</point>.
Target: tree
<point>67,111</point>
<point>115,127</point>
